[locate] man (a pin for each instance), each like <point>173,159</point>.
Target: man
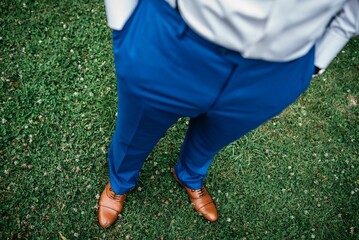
<point>228,65</point>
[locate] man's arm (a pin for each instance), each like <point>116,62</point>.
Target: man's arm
<point>343,26</point>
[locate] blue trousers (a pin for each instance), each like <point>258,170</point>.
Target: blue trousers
<point>166,71</point>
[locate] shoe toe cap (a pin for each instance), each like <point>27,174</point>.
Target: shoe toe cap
<point>210,212</point>
<point>106,216</point>
<point>211,217</point>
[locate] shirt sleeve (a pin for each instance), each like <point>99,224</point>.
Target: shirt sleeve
<point>342,27</point>
<point>118,11</point>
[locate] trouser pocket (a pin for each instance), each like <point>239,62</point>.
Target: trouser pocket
<point>118,35</point>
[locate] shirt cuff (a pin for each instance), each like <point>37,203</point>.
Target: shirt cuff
<point>327,48</point>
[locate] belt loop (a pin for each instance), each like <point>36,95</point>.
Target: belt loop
<point>182,30</point>
<point>177,6</point>
<point>183,27</point>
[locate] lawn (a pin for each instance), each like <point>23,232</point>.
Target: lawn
<point>295,177</point>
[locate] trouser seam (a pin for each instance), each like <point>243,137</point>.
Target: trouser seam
<point>229,77</point>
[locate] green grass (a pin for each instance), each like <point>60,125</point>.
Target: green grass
<point>295,177</point>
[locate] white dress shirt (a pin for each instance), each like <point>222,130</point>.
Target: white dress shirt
<point>272,30</point>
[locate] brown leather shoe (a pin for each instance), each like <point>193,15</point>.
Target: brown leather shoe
<point>109,206</point>
<point>201,200</point>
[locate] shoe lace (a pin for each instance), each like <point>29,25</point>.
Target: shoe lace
<point>201,192</point>
<point>115,196</point>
